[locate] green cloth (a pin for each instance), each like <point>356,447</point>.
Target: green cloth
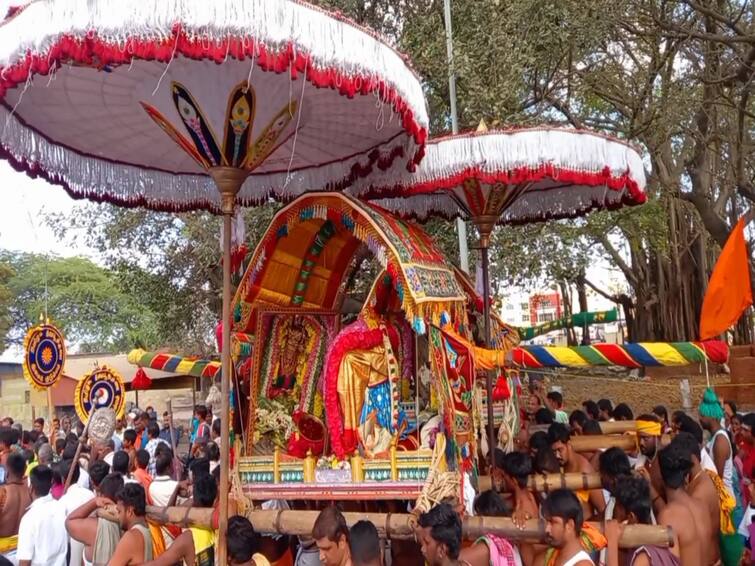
<point>731,547</point>
<point>710,407</point>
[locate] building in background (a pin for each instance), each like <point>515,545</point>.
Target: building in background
<point>531,308</point>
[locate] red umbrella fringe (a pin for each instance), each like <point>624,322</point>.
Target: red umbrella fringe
<point>101,53</point>
<point>515,177</point>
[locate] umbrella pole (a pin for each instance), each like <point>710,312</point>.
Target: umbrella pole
<point>485,225</point>
<point>489,380</point>
<point>228,181</point>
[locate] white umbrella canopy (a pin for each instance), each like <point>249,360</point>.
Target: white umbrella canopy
<point>513,177</point>
<point>315,101</point>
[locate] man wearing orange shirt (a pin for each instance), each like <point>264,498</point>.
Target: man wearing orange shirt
<point>141,474</point>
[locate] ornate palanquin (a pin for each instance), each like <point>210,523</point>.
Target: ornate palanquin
<point>296,367</point>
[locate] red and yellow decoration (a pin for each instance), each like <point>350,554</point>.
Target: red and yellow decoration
<point>308,249</point>
<point>103,388</point>
<point>44,356</point>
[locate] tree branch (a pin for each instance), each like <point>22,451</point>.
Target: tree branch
<point>602,239</point>
<point>565,110</point>
<point>717,16</point>
<point>601,292</point>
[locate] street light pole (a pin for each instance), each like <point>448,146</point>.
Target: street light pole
<point>461,227</point>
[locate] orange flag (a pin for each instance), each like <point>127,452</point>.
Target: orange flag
<point>729,292</point>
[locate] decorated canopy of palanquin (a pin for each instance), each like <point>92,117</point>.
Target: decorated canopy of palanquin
<point>309,249</point>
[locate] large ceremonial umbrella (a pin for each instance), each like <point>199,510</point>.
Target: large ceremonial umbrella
<point>258,98</point>
<point>512,177</point>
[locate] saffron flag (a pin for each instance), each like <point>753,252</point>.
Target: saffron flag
<point>729,292</point>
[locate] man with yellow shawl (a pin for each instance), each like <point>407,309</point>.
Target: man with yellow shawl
<point>648,437</point>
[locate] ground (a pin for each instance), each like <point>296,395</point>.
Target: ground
<point>641,394</point>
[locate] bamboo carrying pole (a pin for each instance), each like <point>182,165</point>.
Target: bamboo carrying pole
<point>543,483</point>
<point>627,442</point>
<point>616,427</point>
<point>591,443</point>
<point>393,525</point>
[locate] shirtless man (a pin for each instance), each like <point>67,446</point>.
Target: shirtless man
<point>516,468</point>
<point>488,549</point>
<point>683,514</point>
<point>136,544</point>
<point>14,499</point>
<point>559,436</point>
<point>8,438</point>
<point>702,489</point>
<point>649,435</point>
<point>632,507</point>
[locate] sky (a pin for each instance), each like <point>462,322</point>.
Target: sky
<point>23,204</point>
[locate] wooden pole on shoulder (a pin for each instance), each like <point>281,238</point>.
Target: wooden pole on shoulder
<point>392,525</point>
<point>543,483</point>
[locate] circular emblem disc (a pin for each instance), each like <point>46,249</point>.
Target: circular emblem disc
<point>101,389</point>
<point>44,356</point>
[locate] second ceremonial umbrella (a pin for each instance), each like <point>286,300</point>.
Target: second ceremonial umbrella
<point>512,177</point>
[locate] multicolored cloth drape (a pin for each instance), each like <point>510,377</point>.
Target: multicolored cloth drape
<point>174,364</point>
<point>307,251</point>
<point>632,355</point>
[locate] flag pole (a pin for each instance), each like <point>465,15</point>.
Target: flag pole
<point>461,227</point>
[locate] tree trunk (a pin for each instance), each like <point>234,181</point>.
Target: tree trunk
<point>582,295</point>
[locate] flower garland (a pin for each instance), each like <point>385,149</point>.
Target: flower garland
<point>273,418</point>
<point>272,352</point>
<point>316,348</point>
<point>393,376</point>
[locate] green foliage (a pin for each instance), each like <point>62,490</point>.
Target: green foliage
<point>673,76</point>
<point>6,301</point>
<point>171,261</point>
<point>85,300</point>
